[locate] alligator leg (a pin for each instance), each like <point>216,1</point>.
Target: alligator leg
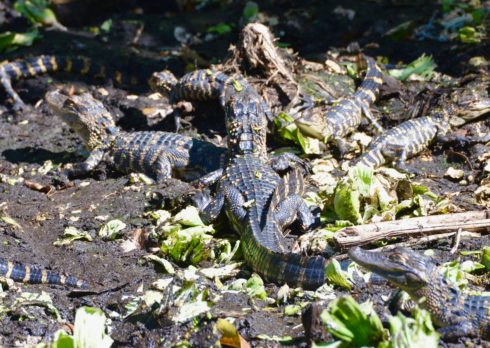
<point>343,147</point>
<point>7,84</point>
<point>80,169</point>
<point>163,170</point>
<point>210,178</point>
<point>210,208</point>
<point>290,209</point>
<point>370,117</point>
<point>397,154</point>
<point>286,161</point>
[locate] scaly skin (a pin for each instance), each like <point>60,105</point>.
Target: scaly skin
<point>257,201</point>
<point>345,116</point>
<point>33,275</point>
<point>414,136</point>
<point>156,154</point>
<point>35,66</point>
<point>201,85</point>
<point>455,313</point>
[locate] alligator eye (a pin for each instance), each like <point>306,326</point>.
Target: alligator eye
<point>396,257</point>
<point>412,278</point>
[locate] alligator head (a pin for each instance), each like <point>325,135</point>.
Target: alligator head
<point>405,268</point>
<point>85,115</point>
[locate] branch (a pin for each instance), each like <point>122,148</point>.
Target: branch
<point>474,221</point>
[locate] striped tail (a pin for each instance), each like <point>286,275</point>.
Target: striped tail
<point>293,269</point>
<point>33,275</point>
<point>369,88</point>
<point>35,66</point>
<point>372,159</point>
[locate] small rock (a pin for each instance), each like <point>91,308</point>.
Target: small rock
<point>456,174</point>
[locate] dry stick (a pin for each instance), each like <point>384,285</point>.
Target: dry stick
<point>474,221</point>
<point>457,239</point>
<point>422,240</point>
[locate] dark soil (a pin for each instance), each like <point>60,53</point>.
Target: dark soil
<point>30,138</point>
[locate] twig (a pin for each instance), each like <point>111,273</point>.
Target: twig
<point>457,239</point>
<point>423,240</point>
<point>473,221</point>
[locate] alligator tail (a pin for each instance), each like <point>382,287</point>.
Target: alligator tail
<point>372,159</point>
<point>369,88</point>
<point>33,275</point>
<point>293,269</point>
<point>35,66</point>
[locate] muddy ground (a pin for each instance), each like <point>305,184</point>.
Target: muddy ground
<point>30,138</point>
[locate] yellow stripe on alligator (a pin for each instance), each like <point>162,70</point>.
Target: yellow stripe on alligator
<point>54,63</point>
<point>27,276</point>
<point>69,64</point>
<point>44,277</point>
<point>31,70</point>
<point>17,71</point>
<point>86,66</point>
<point>41,65</point>
<point>371,94</point>
<point>378,80</point>
<point>10,268</point>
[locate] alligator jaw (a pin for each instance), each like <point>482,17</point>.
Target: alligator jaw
<point>393,269</point>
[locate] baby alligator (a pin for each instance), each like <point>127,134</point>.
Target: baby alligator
<point>257,201</point>
<point>413,136</point>
<point>345,116</point>
<point>456,314</point>
<point>201,85</point>
<point>35,66</point>
<point>153,153</point>
<point>32,275</point>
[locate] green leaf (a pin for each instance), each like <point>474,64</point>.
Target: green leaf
<point>416,332</point>
<point>162,262</point>
<point>280,339</point>
<point>362,177</point>
<point>188,217</point>
<point>190,310</point>
<point>106,25</point>
<point>111,229</point>
<point>423,67</point>
<point>189,246</point>
<point>37,11</point>
<point>292,310</point>
<point>454,274</point>
<point>255,287</point>
<point>10,41</point>
<point>72,234</point>
<point>62,340</point>
<point>469,35</point>
<point>485,258</point>
<point>347,203</point>
<point>250,11</point>
<point>357,325</point>
<point>220,28</point>
<point>335,275</point>
<point>90,329</point>
<point>42,300</point>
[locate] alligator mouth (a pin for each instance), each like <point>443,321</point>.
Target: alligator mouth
<point>379,264</point>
